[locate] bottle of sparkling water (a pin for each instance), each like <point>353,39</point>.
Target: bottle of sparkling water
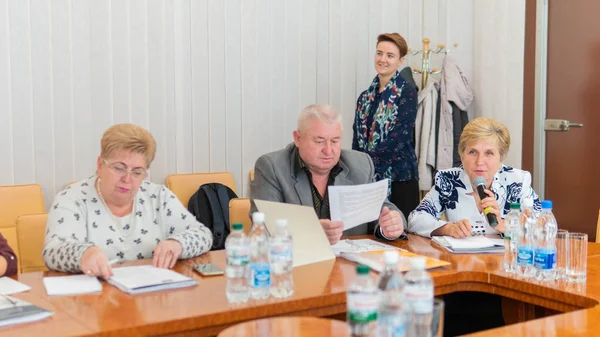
<point>259,274</point>
<point>418,290</point>
<point>526,244</point>
<point>362,302</point>
<point>237,249</point>
<point>281,257</point>
<point>512,224</point>
<point>545,253</point>
<point>391,317</point>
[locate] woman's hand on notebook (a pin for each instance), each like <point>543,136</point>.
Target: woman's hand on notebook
<point>166,253</point>
<point>94,262</point>
<point>458,229</point>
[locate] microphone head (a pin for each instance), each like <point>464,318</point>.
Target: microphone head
<point>479,181</point>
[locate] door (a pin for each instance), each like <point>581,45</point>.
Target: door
<point>573,94</point>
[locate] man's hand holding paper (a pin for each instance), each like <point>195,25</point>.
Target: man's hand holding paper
<point>358,204</point>
<point>390,223</point>
<point>333,230</point>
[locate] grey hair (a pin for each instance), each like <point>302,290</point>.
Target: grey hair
<point>321,112</point>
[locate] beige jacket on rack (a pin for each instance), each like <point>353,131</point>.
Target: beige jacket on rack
<point>453,88</point>
<point>425,134</point>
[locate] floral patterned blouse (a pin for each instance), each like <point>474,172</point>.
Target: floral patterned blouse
<point>451,196</point>
<point>78,220</point>
<point>384,128</point>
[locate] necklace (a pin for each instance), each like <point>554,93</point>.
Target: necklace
<point>118,223</point>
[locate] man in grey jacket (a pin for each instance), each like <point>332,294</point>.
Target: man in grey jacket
<point>300,174</point>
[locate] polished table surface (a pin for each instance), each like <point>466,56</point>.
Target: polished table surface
<point>319,290</point>
<point>289,327</point>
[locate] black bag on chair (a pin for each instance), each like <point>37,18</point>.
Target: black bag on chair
<point>210,206</point>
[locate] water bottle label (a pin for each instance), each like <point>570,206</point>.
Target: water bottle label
<point>281,252</point>
<point>391,326</point>
<point>545,260</point>
<point>238,257</point>
<point>525,257</point>
<point>362,308</point>
<point>260,275</point>
<point>420,298</point>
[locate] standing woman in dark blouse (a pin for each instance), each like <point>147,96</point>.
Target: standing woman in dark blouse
<point>384,123</point>
<point>8,259</point>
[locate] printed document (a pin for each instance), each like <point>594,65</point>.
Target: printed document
<point>357,204</point>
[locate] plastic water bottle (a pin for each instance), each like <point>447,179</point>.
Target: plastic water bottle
<point>238,253</point>
<point>512,223</point>
<point>391,317</point>
<point>526,244</point>
<point>418,290</point>
<point>545,253</point>
<point>259,273</point>
<point>362,302</point>
<point>281,257</point>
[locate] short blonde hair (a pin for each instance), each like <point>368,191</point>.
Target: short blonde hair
<point>130,138</point>
<point>483,128</point>
<point>321,112</point>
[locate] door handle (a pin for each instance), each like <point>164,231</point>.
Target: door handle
<point>560,125</point>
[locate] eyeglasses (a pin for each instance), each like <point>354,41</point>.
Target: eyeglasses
<point>121,170</point>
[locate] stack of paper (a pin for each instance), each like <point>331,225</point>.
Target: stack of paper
<point>15,311</point>
<point>141,279</point>
<point>359,246</point>
<point>9,286</point>
<point>470,244</point>
<point>71,285</point>
<point>374,259</point>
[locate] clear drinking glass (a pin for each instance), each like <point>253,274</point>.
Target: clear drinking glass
<point>577,257</point>
<point>562,251</point>
<point>435,325</point>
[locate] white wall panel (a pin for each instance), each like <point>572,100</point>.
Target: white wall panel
<point>62,100</point>
<point>6,137</point>
<point>42,88</point>
<point>21,79</point>
<point>218,83</point>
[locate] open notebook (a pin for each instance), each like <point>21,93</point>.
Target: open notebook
<point>141,279</point>
<point>15,311</point>
<point>470,245</point>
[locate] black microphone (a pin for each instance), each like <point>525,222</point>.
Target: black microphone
<point>491,217</point>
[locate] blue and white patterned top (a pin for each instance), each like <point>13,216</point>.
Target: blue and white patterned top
<point>78,220</point>
<point>451,195</point>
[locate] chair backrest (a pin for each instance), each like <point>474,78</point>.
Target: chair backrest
<point>185,185</point>
<point>31,232</point>
<point>15,201</point>
<point>239,211</point>
<point>598,229</point>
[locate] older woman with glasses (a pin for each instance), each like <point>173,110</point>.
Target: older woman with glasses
<point>116,215</point>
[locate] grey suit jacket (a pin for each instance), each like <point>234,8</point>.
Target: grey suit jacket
<point>278,177</point>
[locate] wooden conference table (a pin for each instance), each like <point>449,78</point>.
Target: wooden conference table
<point>320,290</point>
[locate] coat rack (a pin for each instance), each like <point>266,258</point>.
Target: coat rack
<point>426,69</point>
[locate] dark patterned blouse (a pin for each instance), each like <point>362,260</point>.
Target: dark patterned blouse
<point>384,128</point>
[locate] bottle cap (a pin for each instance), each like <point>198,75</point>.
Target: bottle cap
<point>361,269</point>
<point>281,223</point>
<point>515,205</point>
<point>237,226</point>
<point>258,217</point>
<point>547,204</point>
<point>527,202</point>
<point>418,263</point>
<point>390,257</point>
